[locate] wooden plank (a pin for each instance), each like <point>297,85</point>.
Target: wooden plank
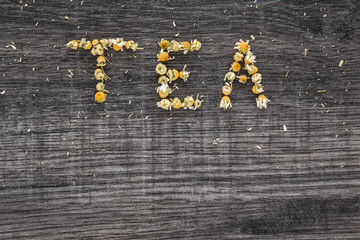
<point>71,169</point>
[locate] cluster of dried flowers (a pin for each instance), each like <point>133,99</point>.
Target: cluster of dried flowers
<point>97,48</point>
<point>167,76</point>
<point>243,54</point>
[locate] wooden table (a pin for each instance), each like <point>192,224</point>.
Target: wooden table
<point>72,169</point>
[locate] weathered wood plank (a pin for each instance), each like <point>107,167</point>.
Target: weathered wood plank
<point>71,169</point>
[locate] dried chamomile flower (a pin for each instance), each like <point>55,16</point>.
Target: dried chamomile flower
<point>100,97</point>
<point>256,78</point>
<point>235,66</point>
<point>94,42</point>
<point>176,103</point>
<point>184,74</point>
<point>164,44</point>
<point>87,45</point>
<point>243,79</point>
<point>238,57</point>
<point>226,89</point>
<point>119,41</point>
<point>101,61</point>
<point>73,44</point>
<point>97,50</point>
<point>164,104</point>
<point>100,75</point>
<point>188,102</point>
<point>97,72</point>
<point>173,74</point>
<point>160,69</point>
<point>164,90</point>
<point>128,44</point>
<point>185,46</point>
<point>175,46</point>
<point>249,58</point>
<point>257,88</point>
<point>116,43</point>
<point>105,43</point>
<point>82,42</point>
<point>163,79</point>
<point>117,47</point>
<point>225,103</point>
<point>262,101</point>
<point>195,45</point>
<point>100,86</point>
<point>198,102</point>
<point>251,69</point>
<point>242,46</point>
<point>230,76</point>
<point>163,56</point>
<point>132,45</point>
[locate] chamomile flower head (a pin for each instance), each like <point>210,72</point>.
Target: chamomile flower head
<point>257,89</point>
<point>116,43</point>
<point>101,61</point>
<point>82,42</point>
<point>132,45</point>
<point>226,89</point>
<point>160,69</point>
<point>99,74</point>
<point>73,44</point>
<point>242,46</point>
<point>184,74</point>
<point>256,78</point>
<point>129,44</point>
<point>195,45</point>
<point>164,87</point>
<point>100,97</point>
<point>198,101</point>
<point>164,44</point>
<point>251,69</point>
<point>164,90</point>
<point>249,58</point>
<point>163,56</point>
<point>230,76</point>
<point>119,41</point>
<point>97,50</point>
<point>100,86</point>
<point>238,57</point>
<point>185,46</point>
<point>163,79</point>
<point>94,42</point>
<point>87,45</point>
<point>176,103</point>
<point>117,47</point>
<point>243,79</point>
<point>105,43</point>
<point>164,104</point>
<point>225,103</point>
<point>188,102</point>
<point>175,46</point>
<point>173,74</point>
<point>235,67</point>
<point>262,101</point>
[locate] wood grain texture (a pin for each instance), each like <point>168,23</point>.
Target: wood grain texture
<point>67,170</point>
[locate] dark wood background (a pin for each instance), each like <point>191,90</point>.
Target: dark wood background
<point>72,169</point>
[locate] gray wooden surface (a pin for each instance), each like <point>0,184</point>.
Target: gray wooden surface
<point>72,169</point>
